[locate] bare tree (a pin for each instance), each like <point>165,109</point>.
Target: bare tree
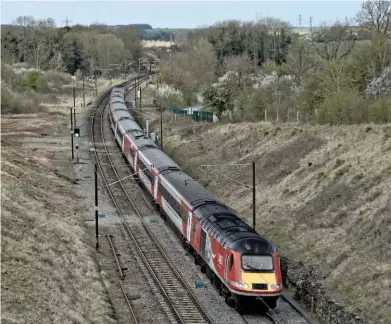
<point>131,38</point>
<point>44,34</point>
<point>375,16</point>
<point>27,24</point>
<point>335,42</point>
<point>301,59</point>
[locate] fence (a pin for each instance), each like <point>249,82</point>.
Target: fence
<point>196,115</point>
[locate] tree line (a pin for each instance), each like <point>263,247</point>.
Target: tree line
<point>95,49</point>
<point>262,70</point>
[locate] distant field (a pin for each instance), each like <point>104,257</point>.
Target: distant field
<point>304,30</point>
<point>156,43</point>
<point>164,34</point>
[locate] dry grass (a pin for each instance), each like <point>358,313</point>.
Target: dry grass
<point>323,196</point>
<point>49,271</point>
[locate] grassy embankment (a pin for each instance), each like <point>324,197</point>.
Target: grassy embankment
<point>49,270</point>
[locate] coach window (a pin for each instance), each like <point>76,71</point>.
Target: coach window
<point>120,136</point>
<point>153,178</point>
<point>131,151</point>
<point>145,170</point>
<point>184,213</point>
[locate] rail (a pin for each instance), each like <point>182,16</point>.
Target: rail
<point>187,309</point>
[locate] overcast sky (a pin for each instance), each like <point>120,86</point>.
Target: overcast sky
<point>176,14</point>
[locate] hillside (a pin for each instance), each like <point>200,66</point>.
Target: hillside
<point>323,196</point>
<point>49,271</point>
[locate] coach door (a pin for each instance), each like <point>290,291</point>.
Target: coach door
<point>229,261</point>
<point>156,185</point>
<point>203,243</point>
<point>189,220</point>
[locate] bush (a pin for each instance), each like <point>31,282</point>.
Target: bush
<point>380,86</point>
<point>58,79</point>
<point>11,78</point>
<point>255,105</point>
<point>170,97</point>
<point>380,111</point>
<point>343,107</point>
<point>36,80</point>
<point>18,103</point>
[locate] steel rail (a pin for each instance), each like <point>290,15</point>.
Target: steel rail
<point>142,254</point>
<point>121,274</point>
<point>102,98</point>
<point>120,283</point>
<point>128,303</point>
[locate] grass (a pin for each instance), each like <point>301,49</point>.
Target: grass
<point>322,197</point>
<point>49,273</point>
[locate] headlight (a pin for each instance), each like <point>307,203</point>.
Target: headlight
<point>276,286</point>
<point>240,285</point>
<point>245,286</point>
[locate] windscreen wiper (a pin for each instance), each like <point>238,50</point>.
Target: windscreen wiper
<point>250,267</point>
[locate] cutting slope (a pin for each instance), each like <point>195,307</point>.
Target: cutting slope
<point>49,274</point>
<point>323,196</point>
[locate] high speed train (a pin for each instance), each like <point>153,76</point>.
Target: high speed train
<point>242,265</point>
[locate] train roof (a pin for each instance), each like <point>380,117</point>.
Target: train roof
<point>189,188</point>
<point>117,99</point>
<point>142,141</point>
<point>159,159</point>
<point>124,109</point>
<point>117,89</point>
<point>230,230</point>
<point>117,96</point>
<point>115,105</point>
<point>129,126</point>
<point>122,115</point>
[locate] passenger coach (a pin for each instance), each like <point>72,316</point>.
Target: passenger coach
<point>238,261</point>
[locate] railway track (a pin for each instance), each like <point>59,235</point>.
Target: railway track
<point>183,306</point>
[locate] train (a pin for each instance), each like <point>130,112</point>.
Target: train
<point>242,265</point>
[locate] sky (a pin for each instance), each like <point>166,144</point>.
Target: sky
<point>177,14</point>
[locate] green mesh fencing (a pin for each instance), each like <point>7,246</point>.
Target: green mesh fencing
<point>196,115</point>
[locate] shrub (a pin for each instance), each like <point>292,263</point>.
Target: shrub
<point>36,80</point>
<point>9,104</point>
<point>11,78</point>
<point>380,111</point>
<point>255,105</point>
<point>170,97</point>
<point>58,79</point>
<point>380,86</point>
<point>18,103</point>
<point>343,107</point>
